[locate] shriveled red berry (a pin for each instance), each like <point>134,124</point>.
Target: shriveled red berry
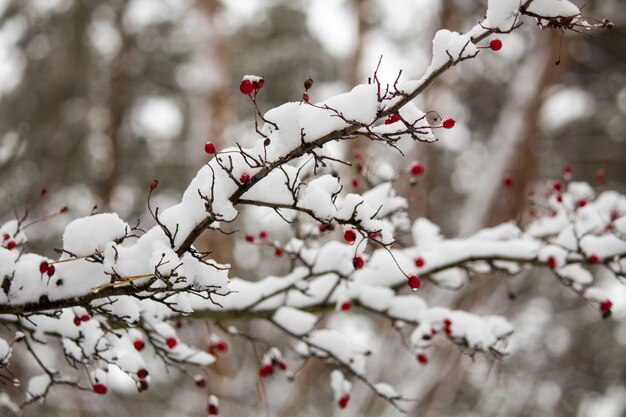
<point>358,262</point>
<point>5,236</point>
<point>416,169</point>
<point>246,87</point>
<point>244,178</point>
<point>142,374</point>
<point>419,262</point>
<point>139,345</point>
<point>448,123</point>
<point>343,401</point>
<point>507,181</point>
<point>551,262</point>
<point>212,410</point>
<point>345,306</point>
<point>559,198</point>
<point>349,236</point>
<point>414,282</point>
<point>100,388</point>
<point>171,342</point>
<point>495,44</point>
<point>200,381</point>
<point>422,358</point>
<point>209,148</point>
<point>143,385</point>
<point>305,97</point>
<point>43,267</point>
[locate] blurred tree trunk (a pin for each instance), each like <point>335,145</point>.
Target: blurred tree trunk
<point>512,142</point>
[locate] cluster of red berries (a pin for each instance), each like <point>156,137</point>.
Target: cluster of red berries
<point>268,368</point>
<point>392,119</point>
<point>46,268</point>
<point>217,346</point>
<point>82,318</point>
<point>248,86</point>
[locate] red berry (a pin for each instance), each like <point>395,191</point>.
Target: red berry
<point>51,270</point>
<point>142,374</point>
<point>5,236</point>
<point>139,345</point>
<point>305,97</point>
<point>345,306</point>
<point>250,238</point>
<point>221,346</point>
<point>422,358</point>
<point>11,245</point>
<point>171,342</point>
<point>209,148</point>
<point>557,186</point>
<point>282,366</point>
<point>278,252</point>
<point>43,267</point>
<point>373,235</point>
<point>447,322</point>
<point>601,175</point>
<point>416,169</point>
<point>419,262</point>
<point>567,170</point>
<point>143,385</point>
<point>559,198</point>
<point>349,236</point>
<point>343,401</point>
<point>495,44</point>
<point>582,202</point>
<point>593,258</point>
<point>414,282</point>
<point>266,370</point>
<point>357,262</point>
<point>245,177</point>
<point>551,261</point>
<point>448,123</point>
<point>394,118</point>
<point>246,87</point>
<point>358,155</point>
<point>84,317</point>
<point>605,307</point>
<point>100,389</point>
<point>388,121</point>
<point>76,321</point>
<point>614,215</point>
<point>355,183</point>
<point>262,235</point>
<point>507,181</point>
<point>259,84</point>
<point>212,410</point>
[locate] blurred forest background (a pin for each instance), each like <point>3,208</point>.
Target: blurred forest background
<point>97,98</point>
